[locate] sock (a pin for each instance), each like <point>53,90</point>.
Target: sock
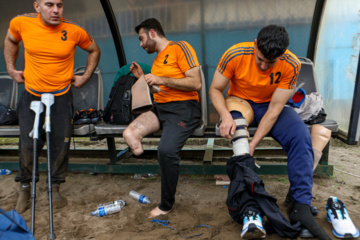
<point>301,213</point>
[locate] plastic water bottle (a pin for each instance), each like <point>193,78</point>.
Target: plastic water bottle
<point>139,197</point>
<point>5,171</point>
<point>108,208</point>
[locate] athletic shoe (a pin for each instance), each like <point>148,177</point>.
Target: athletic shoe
<point>94,115</point>
<point>252,226</point>
<point>81,117</point>
<point>338,216</point>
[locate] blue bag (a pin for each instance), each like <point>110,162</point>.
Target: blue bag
<point>13,226</point>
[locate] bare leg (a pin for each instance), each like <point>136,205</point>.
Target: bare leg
<point>143,125</point>
<point>157,212</point>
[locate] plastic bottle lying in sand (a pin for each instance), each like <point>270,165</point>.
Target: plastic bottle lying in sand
<point>108,208</point>
<point>139,197</point>
<point>5,171</point>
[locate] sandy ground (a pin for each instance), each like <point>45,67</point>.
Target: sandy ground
<point>198,201</point>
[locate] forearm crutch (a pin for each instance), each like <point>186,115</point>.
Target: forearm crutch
<point>38,108</point>
<point>48,99</point>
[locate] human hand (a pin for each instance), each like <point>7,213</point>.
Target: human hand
<point>252,147</point>
<point>17,76</point>
<point>227,127</point>
<point>78,81</point>
<point>153,80</point>
<point>136,70</point>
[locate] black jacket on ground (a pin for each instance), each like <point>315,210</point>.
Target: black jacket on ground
<point>247,192</point>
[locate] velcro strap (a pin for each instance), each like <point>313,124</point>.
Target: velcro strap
<point>241,122</point>
<point>240,133</point>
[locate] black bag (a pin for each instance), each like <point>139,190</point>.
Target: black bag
<point>118,107</point>
<point>316,119</point>
<point>8,116</point>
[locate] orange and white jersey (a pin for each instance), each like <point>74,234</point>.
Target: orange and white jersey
<point>248,82</point>
<point>173,62</point>
<point>49,52</point>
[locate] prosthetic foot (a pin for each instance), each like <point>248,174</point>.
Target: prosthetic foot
<point>58,200</point>
<point>299,212</point>
<point>24,197</point>
<point>252,226</point>
<point>338,216</point>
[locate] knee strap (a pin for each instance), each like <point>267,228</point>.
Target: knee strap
<point>242,132</point>
<point>240,137</point>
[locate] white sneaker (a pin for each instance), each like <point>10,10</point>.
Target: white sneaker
<point>338,216</point>
<point>252,226</point>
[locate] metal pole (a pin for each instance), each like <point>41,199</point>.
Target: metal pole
<point>114,31</point>
<point>319,7</point>
<point>353,137</point>
<point>38,108</point>
<point>48,99</point>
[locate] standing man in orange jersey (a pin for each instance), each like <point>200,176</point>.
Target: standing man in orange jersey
<point>49,42</point>
<point>176,110</point>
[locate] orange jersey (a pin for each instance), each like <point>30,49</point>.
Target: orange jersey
<point>49,52</point>
<point>173,62</point>
<point>248,82</point>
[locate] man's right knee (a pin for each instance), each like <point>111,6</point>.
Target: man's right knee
<point>127,134</point>
<point>133,141</point>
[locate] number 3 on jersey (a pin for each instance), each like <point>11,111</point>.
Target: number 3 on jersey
<point>64,37</point>
<point>277,75</point>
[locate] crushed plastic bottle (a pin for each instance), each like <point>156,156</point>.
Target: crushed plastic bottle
<point>139,197</point>
<point>5,172</point>
<point>108,208</point>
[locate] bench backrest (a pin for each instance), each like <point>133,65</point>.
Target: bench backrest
<point>91,94</point>
<point>8,91</point>
<point>203,105</point>
<point>307,76</point>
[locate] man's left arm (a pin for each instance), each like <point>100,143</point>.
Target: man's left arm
<point>277,103</point>
<point>91,63</point>
<point>191,81</point>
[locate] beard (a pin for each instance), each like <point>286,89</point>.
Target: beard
<point>150,46</point>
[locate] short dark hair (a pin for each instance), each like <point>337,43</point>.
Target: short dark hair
<point>151,23</point>
<point>272,41</point>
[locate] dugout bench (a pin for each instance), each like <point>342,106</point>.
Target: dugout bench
<point>91,96</point>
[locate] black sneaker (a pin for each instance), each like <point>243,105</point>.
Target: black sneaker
<point>81,117</point>
<point>94,115</point>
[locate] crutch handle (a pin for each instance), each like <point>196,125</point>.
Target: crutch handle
<point>38,108</point>
<point>47,99</point>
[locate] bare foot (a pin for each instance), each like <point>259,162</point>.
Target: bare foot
<point>157,212</point>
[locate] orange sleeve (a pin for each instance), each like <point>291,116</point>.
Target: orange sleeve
<point>231,60</point>
<point>186,56</point>
<point>291,71</point>
<point>15,28</point>
<point>224,66</point>
<point>84,39</point>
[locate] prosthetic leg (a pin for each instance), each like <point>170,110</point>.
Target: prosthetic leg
<point>141,99</point>
<point>244,115</point>
<point>320,137</point>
